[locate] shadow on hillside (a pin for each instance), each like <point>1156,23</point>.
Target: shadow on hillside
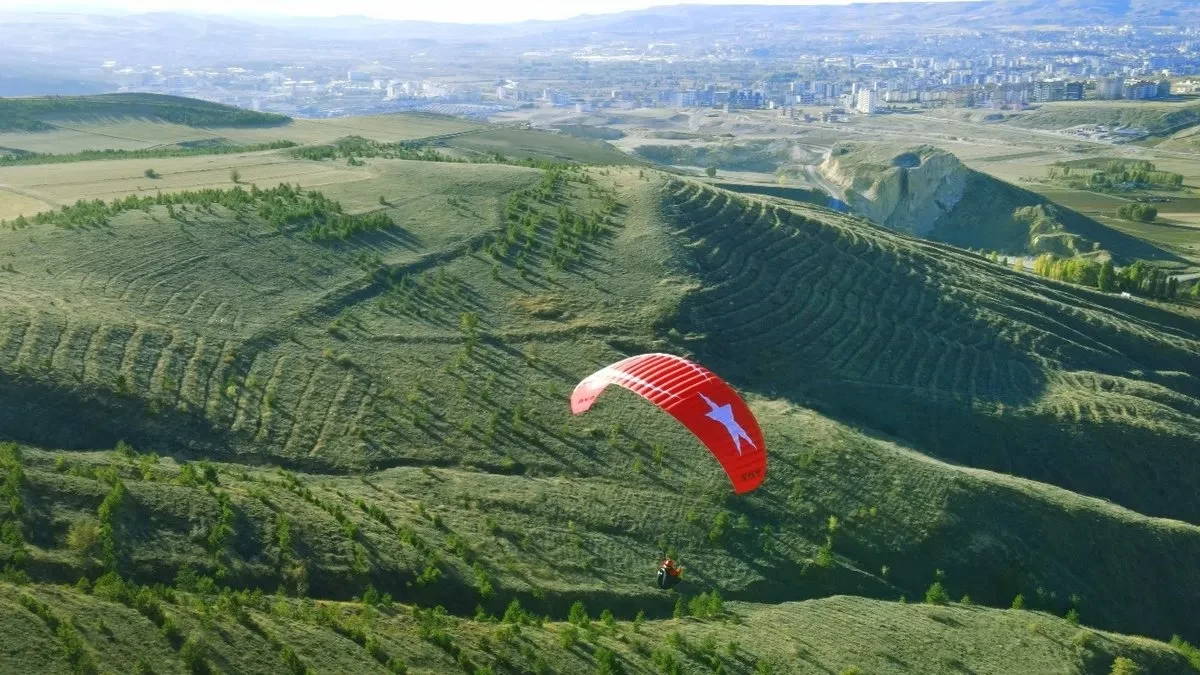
<point>35,412</point>
<point>952,354</point>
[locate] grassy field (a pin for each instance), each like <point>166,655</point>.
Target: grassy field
<point>322,416</point>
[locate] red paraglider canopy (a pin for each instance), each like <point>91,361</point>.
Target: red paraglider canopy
<point>692,394</point>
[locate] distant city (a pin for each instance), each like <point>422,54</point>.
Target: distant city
<point>1090,63</point>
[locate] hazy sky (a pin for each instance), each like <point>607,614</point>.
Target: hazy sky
<point>459,11</point>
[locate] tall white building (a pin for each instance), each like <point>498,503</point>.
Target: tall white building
<point>865,102</point>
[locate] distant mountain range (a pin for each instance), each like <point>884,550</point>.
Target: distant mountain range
<point>674,19</point>
<point>52,53</point>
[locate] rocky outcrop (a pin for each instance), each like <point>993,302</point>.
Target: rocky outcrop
<point>906,189</point>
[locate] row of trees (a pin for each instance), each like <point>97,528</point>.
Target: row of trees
<point>1140,212</point>
<point>353,147</point>
<point>1116,174</point>
<point>319,217</point>
<point>356,148</point>
<point>27,158</point>
<point>1140,278</point>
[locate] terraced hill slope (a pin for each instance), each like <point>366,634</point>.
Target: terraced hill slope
<point>928,192</point>
<point>876,328</point>
<point>384,403</point>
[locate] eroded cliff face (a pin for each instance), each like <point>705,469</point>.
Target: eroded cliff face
<point>905,190</point>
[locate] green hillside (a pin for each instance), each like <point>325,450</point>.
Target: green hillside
<point>928,191</point>
<point>40,113</point>
<point>270,389</point>
<point>801,319</point>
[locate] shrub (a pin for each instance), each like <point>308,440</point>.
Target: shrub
<point>192,655</point>
<point>514,614</point>
<point>83,536</point>
<point>1072,616</point>
<point>607,618</point>
<point>1190,652</point>
<point>235,176</point>
<point>716,604</point>
<point>1018,602</point>
<point>292,662</point>
<point>606,662</point>
<point>151,173</point>
<point>568,636</point>
<point>936,595</point>
<point>578,615</point>
<point>824,555</point>
<point>1124,666</point>
<point>75,650</point>
<point>1140,212</point>
<point>666,662</point>
<point>720,525</point>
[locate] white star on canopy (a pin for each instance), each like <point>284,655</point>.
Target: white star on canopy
<point>724,415</point>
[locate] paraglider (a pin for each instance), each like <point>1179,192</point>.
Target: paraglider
<point>703,403</point>
<point>669,574</point>
<point>700,400</point>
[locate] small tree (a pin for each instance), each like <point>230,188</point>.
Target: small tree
<point>936,595</point>
<point>235,176</point>
<point>150,173</point>
<point>711,172</point>
<point>1018,602</point>
<point>578,615</point>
